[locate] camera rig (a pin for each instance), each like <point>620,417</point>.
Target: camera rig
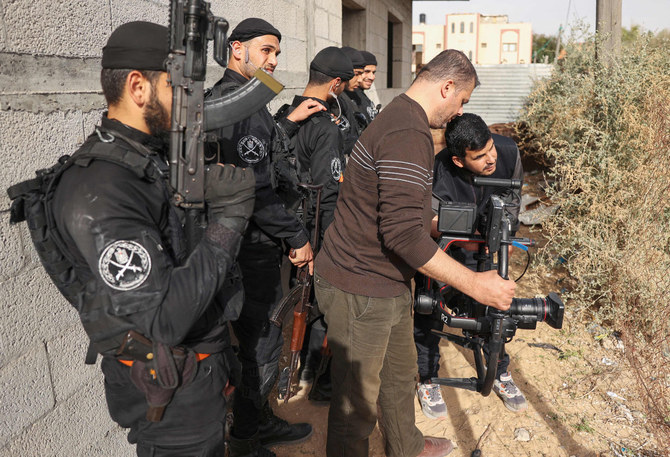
<point>459,222</point>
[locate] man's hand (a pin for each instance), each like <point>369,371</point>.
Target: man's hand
<point>488,288</point>
<point>229,193</point>
<point>302,256</point>
<point>492,290</point>
<point>305,110</point>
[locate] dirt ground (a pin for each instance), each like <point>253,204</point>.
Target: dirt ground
<point>581,400</point>
<point>581,395</point>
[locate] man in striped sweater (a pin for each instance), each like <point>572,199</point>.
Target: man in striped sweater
<point>379,239</point>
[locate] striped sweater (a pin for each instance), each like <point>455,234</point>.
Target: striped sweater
<point>381,231</point>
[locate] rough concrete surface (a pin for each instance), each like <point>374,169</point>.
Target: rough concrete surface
<point>66,353</point>
<point>74,428</point>
<point>12,256</point>
<point>26,394</point>
<point>131,10</point>
<point>62,28</point>
<point>29,141</point>
<point>34,312</point>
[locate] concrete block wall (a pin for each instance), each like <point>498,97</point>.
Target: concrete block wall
<point>50,402</point>
<point>367,28</point>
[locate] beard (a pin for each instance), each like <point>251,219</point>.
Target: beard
<point>157,117</point>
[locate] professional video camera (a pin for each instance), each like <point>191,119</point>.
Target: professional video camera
<point>459,222</point>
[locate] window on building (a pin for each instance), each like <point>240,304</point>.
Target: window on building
<point>462,27</point>
<point>354,24</point>
<point>509,47</point>
<point>394,52</point>
<point>470,55</point>
<point>483,45</point>
<point>472,27</point>
<point>453,27</point>
<point>438,45</point>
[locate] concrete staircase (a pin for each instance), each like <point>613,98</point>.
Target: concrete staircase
<point>503,90</point>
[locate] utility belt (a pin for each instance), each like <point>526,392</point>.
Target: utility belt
<point>157,369</point>
<point>198,357</point>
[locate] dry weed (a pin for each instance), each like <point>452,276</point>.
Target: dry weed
<point>605,131</point>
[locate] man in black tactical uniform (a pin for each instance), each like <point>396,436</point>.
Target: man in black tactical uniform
<point>255,142</point>
<point>471,151</point>
<point>349,124</point>
<point>113,211</point>
<point>318,146</point>
<point>365,109</point>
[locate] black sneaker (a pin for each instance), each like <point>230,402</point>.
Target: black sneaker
<point>274,430</point>
<point>249,447</point>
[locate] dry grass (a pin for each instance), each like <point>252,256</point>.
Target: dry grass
<point>605,133</point>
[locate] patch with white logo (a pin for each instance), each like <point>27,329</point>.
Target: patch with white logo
<point>250,149</point>
<point>336,169</point>
<point>124,265</point>
<point>344,124</point>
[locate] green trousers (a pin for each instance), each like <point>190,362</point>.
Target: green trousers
<point>374,359</point>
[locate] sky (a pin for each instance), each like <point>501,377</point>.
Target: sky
<point>548,15</point>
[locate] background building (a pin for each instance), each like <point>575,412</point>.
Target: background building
<point>51,404</point>
<point>501,52</point>
<point>486,40</point>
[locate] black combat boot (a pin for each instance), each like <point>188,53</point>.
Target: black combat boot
<point>249,447</point>
<point>275,430</point>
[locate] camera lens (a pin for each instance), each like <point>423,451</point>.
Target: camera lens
<point>549,309</point>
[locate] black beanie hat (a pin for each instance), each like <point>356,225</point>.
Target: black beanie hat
<point>355,55</point>
<point>137,46</point>
<point>251,28</point>
<point>333,62</point>
<point>369,58</point>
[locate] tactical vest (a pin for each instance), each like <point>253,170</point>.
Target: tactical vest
<point>32,202</point>
<point>286,171</point>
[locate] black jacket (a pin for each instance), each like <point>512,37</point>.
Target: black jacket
<point>366,110</point>
<point>349,126</point>
<point>451,183</point>
<point>128,244</point>
<point>318,146</point>
<point>250,143</point>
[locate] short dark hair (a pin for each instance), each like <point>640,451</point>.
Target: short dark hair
<point>467,131</point>
<point>316,78</point>
<point>449,64</point>
<point>113,81</point>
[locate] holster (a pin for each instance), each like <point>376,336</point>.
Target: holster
<point>158,372</point>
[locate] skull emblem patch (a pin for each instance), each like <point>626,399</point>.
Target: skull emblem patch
<point>124,265</point>
<point>250,149</point>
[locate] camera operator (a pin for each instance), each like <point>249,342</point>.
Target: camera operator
<point>378,240</point>
<point>471,151</point>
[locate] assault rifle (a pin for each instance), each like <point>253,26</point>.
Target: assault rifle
<point>299,298</point>
<point>458,222</point>
<point>192,26</point>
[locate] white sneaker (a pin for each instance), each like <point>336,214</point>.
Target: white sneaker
<point>432,403</point>
<point>509,393</point>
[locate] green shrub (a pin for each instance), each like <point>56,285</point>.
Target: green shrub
<point>605,133</point>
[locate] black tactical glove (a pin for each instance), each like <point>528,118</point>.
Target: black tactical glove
<point>229,193</point>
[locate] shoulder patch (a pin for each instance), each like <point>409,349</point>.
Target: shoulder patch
<point>336,168</point>
<point>372,111</point>
<point>251,149</point>
<point>344,124</point>
<point>124,265</point>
